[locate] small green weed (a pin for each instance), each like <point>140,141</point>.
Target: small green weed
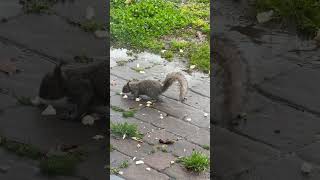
<point>24,100</point>
<point>21,149</point>
<point>91,26</point>
<point>114,170</point>
<point>120,129</point>
<point>124,164</point>
<point>129,113</point>
<point>200,56</point>
<point>196,162</point>
<point>36,6</point>
<point>167,55</point>
<point>304,13</point>
<point>60,165</point>
<point>116,108</point>
<point>206,146</point>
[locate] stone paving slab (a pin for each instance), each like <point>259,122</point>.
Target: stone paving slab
<point>94,165</point>
<point>159,160</point>
<point>129,147</point>
<point>32,67</point>
<point>76,10</point>
<point>26,125</point>
<point>21,168</point>
<point>53,36</point>
<point>181,173</point>
<point>182,111</point>
<point>10,8</point>
<point>116,158</point>
<point>280,125</point>
<point>298,87</point>
<point>140,172</point>
<point>234,153</point>
<point>7,101</point>
<point>310,153</point>
<point>285,168</point>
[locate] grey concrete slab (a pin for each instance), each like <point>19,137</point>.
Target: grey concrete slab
<point>298,87</point>
<point>280,125</point>
<point>53,36</point>
<point>10,8</point>
<point>32,68</point>
<point>234,153</point>
<point>285,168</point>
<point>26,125</point>
<point>21,168</point>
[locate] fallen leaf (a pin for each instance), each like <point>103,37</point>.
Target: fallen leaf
<point>166,141</point>
<point>8,67</point>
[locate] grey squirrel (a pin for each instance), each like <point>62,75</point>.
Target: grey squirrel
<point>84,85</point>
<point>153,88</point>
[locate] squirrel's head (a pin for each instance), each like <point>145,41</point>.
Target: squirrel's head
<point>52,86</point>
<point>126,88</point>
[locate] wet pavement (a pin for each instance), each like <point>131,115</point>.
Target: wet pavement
<point>184,123</point>
<point>34,43</point>
<point>266,87</point>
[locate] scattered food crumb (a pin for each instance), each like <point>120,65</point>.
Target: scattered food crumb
<point>171,162</point>
<point>120,172</point>
<point>140,104</point>
<point>142,72</point>
<point>192,66</point>
<point>306,168</point>
<point>181,50</point>
<point>148,136</point>
<point>205,114</point>
<point>139,162</point>
<point>138,65</point>
<point>88,120</point>
<point>133,158</point>
<point>188,119</point>
<point>36,101</point>
<point>121,93</point>
<point>148,169</point>
<point>138,145</point>
<point>98,137</point>
<point>125,96</point>
<point>113,83</point>
<point>124,136</point>
<point>137,99</point>
<point>49,111</point>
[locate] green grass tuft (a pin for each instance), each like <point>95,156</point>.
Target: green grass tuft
<point>200,56</point>
<point>60,165</point>
<point>124,164</point>
<point>130,130</point>
<point>304,13</point>
<point>196,162</point>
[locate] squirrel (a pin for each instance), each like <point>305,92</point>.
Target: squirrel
<point>84,85</point>
<point>153,88</point>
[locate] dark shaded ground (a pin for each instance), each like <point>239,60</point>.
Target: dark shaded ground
<point>34,43</point>
<point>270,75</point>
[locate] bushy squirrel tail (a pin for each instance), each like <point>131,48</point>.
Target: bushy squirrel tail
<point>176,76</point>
